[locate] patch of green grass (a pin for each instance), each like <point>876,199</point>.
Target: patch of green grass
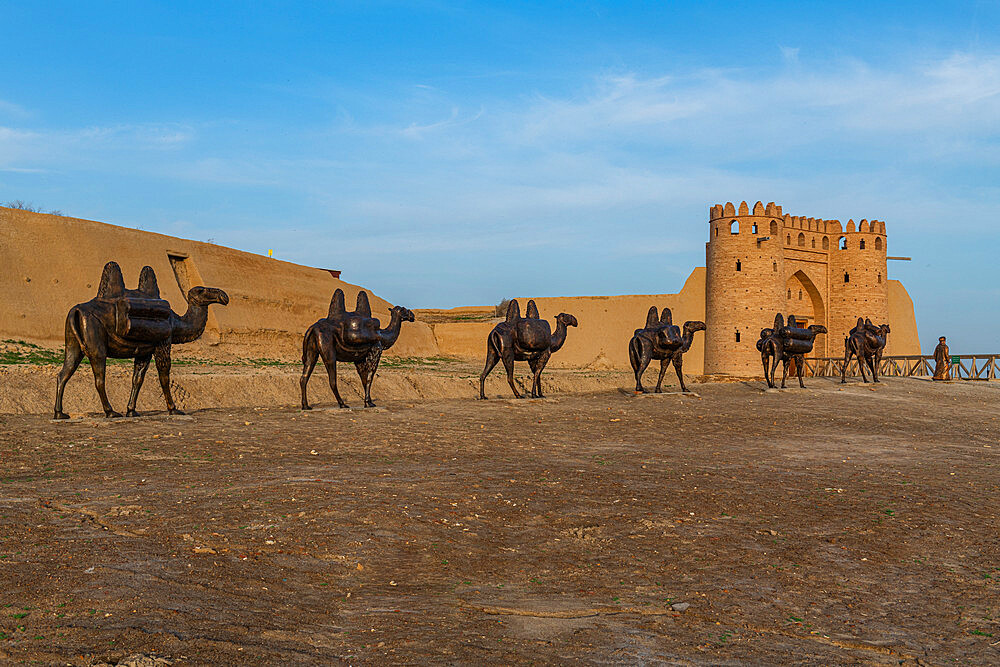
<point>30,354</point>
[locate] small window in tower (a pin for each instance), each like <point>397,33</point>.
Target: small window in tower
<point>716,231</point>
<point>800,295</point>
<point>753,230</point>
<point>734,227</point>
<point>843,243</point>
<point>774,227</point>
<point>878,243</point>
<point>802,240</point>
<point>774,266</point>
<point>826,243</point>
<point>789,293</point>
<point>814,242</point>
<point>861,246</point>
<point>788,239</point>
<point>739,267</point>
<point>880,277</point>
<point>847,277</point>
<point>737,336</point>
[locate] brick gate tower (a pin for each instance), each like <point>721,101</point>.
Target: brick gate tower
<point>762,262</point>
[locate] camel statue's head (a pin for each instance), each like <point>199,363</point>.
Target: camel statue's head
<point>203,296</point>
<point>566,319</point>
<point>405,314</point>
<point>694,325</point>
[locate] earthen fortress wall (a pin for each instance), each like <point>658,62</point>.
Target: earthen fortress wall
<point>49,263</point>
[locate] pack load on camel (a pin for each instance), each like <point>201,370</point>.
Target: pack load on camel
<point>134,324</point>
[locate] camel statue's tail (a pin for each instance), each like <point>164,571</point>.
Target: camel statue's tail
<point>308,341</point>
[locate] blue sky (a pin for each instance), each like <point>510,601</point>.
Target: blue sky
<point>455,153</point>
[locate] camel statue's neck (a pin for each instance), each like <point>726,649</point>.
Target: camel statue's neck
<point>687,340</point>
<point>390,334</point>
<point>190,325</point>
<point>559,337</point>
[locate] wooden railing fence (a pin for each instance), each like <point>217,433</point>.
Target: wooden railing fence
<point>963,366</point>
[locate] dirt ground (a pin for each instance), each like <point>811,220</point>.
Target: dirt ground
<point>825,526</point>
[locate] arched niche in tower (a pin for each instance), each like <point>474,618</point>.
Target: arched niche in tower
<point>810,307</point>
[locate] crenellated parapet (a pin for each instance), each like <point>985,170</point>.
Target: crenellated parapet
<point>728,210</point>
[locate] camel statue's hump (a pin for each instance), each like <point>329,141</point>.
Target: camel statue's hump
<point>358,329</point>
<point>533,333</point>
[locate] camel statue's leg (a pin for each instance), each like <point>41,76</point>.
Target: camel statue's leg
<point>847,361</point>
<point>310,353</point>
<point>774,368</point>
<point>507,356</point>
<point>639,356</point>
<point>800,363</point>
<point>537,366</point>
<point>138,375</point>
<point>330,361</point>
<point>162,357</point>
<point>663,369</point>
<point>876,362</point>
<point>71,360</point>
<point>764,358</point>
<point>366,371</point>
<point>862,362</point>
<point>492,359</point>
<point>678,366</point>
<point>784,372</point>
<point>98,363</point>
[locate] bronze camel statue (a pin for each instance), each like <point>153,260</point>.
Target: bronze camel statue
<point>866,342</point>
<point>131,324</point>
<point>524,339</point>
<point>661,339</point>
<point>786,344</point>
<point>345,336</point>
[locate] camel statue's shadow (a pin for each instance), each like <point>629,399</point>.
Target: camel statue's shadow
<point>130,324</point>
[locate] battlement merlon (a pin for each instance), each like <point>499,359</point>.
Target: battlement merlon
<point>771,210</point>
